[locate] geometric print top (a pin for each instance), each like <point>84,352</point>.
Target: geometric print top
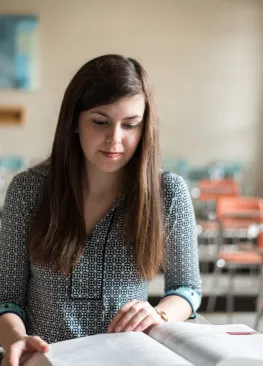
<point>57,307</point>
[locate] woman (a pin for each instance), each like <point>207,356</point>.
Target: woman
<point>84,232</point>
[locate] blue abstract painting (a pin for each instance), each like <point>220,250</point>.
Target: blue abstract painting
<point>18,52</point>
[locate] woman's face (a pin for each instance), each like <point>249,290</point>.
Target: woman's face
<point>109,134</point>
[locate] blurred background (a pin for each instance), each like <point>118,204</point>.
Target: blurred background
<point>205,61</point>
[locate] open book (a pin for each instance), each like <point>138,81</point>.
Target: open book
<point>166,345</point>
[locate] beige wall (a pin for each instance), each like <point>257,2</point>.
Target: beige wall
<point>205,59</point>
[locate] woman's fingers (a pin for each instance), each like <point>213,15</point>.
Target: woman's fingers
<point>145,325</point>
<point>134,315</point>
<point>15,352</point>
<point>120,314</point>
<point>130,321</point>
<point>25,345</point>
<point>37,344</point>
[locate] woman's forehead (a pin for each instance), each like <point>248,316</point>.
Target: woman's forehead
<point>127,107</point>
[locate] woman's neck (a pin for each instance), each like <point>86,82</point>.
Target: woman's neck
<point>98,185</point>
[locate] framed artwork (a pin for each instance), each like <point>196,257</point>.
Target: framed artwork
<point>18,52</point>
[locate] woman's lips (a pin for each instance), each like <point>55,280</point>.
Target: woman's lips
<point>111,154</point>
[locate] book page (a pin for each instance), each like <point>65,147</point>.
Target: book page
<point>240,362</point>
<point>117,349</point>
<point>211,345</point>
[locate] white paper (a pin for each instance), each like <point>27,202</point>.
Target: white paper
<point>210,345</point>
<point>120,349</point>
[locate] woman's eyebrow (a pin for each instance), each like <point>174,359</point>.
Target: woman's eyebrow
<point>132,117</point>
<point>125,118</point>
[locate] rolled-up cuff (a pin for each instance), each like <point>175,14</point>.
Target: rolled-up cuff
<point>10,307</point>
<point>191,296</point>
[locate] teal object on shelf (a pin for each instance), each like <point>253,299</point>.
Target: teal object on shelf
<point>229,169</point>
<point>12,163</point>
<point>174,165</point>
<point>196,173</point>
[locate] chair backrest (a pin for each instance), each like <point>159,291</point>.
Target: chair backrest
<point>260,240</point>
<point>240,212</point>
<point>212,190</point>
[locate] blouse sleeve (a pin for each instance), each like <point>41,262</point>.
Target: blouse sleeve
<point>14,260</point>
<point>181,265</point>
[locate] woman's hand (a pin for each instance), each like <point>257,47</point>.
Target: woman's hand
<point>135,316</point>
<point>23,349</point>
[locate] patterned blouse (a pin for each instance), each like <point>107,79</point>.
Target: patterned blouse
<point>57,307</point>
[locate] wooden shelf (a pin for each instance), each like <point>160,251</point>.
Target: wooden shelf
<point>12,115</point>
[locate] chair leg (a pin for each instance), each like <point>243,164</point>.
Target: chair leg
<point>259,308</point>
<point>205,264</point>
<point>252,270</point>
<point>259,316</point>
<point>230,295</point>
<point>212,297</point>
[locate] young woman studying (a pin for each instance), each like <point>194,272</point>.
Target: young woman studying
<point>84,232</point>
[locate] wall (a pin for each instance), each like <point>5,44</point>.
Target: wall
<point>205,59</point>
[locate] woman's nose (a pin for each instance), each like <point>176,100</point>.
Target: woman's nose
<point>116,135</point>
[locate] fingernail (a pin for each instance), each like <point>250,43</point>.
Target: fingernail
<point>127,329</point>
<point>117,329</point>
<point>138,329</point>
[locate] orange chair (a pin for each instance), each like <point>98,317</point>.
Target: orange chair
<point>236,214</point>
<point>212,190</point>
<point>206,196</point>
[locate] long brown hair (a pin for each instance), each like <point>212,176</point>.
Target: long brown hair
<point>58,231</point>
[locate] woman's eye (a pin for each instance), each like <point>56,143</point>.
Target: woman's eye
<point>99,123</point>
<point>130,126</point>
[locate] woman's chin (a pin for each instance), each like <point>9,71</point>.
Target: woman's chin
<point>109,168</point>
